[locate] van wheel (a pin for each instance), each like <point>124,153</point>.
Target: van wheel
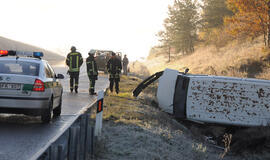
<point>47,114</point>
<point>57,110</point>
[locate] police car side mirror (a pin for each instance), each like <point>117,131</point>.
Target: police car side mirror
<point>60,76</point>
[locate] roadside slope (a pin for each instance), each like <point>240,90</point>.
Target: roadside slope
<point>133,129</point>
<point>249,59</point>
<point>8,44</point>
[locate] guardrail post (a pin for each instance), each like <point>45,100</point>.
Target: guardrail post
<point>98,125</point>
<point>82,137</point>
<point>61,154</point>
<point>92,141</point>
<point>77,145</point>
<point>87,136</point>
<point>53,150</point>
<point>72,142</point>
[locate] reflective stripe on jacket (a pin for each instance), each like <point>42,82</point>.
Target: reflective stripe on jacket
<point>91,65</point>
<point>74,61</point>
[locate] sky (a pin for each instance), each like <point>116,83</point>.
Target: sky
<point>127,26</point>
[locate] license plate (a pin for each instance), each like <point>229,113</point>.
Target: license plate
<point>10,86</point>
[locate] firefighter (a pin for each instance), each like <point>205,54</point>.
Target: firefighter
<point>74,61</point>
<point>92,71</point>
<point>125,64</point>
<point>114,68</point>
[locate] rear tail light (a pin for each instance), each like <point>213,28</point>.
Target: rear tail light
<point>38,86</point>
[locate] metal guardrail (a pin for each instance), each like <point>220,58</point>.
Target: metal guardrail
<point>76,142</point>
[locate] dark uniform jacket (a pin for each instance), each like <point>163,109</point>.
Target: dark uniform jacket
<point>114,67</point>
<point>92,69</point>
<point>74,61</point>
<point>125,61</point>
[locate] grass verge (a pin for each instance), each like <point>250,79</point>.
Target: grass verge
<point>133,128</point>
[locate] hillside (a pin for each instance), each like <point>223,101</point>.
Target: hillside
<point>249,59</point>
<point>8,44</point>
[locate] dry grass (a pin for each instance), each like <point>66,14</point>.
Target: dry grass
<point>249,59</point>
<point>124,108</point>
<point>134,130</point>
<point>121,108</point>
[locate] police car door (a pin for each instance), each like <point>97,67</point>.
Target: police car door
<point>54,84</point>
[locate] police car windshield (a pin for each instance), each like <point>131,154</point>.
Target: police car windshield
<point>19,67</point>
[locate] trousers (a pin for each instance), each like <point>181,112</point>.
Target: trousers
<point>116,81</point>
<point>74,76</point>
<point>92,84</point>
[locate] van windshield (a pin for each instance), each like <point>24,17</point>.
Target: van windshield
<point>19,67</point>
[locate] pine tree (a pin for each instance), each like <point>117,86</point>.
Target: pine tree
<point>212,22</point>
<point>214,11</point>
<point>181,26</point>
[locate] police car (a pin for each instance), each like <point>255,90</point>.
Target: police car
<point>29,85</point>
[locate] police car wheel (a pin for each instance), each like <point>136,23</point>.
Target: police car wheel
<point>47,114</point>
<point>57,110</point>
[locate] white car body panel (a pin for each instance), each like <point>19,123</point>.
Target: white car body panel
<point>166,89</point>
<point>235,101</point>
<point>222,100</point>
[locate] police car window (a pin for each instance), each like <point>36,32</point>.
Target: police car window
<point>48,72</point>
<point>51,70</point>
<point>19,67</point>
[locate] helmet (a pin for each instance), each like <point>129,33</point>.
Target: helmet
<point>91,52</point>
<point>73,48</point>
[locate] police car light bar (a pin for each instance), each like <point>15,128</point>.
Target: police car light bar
<point>29,54</point>
<point>38,54</point>
<point>3,52</point>
<point>21,53</point>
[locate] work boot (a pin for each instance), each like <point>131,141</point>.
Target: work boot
<point>76,89</point>
<point>71,90</point>
<point>93,93</point>
<point>117,92</point>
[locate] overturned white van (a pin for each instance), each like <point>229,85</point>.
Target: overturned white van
<point>213,99</point>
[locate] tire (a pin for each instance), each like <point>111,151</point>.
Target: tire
<point>47,114</point>
<point>58,109</point>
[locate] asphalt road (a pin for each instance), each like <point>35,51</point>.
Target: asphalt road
<point>22,136</point>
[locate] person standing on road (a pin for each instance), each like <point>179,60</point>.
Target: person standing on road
<point>74,61</point>
<point>114,68</point>
<point>125,64</point>
<point>92,71</point>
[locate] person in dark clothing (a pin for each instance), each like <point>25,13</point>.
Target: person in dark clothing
<point>74,61</point>
<point>114,68</point>
<point>125,64</point>
<point>92,71</point>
